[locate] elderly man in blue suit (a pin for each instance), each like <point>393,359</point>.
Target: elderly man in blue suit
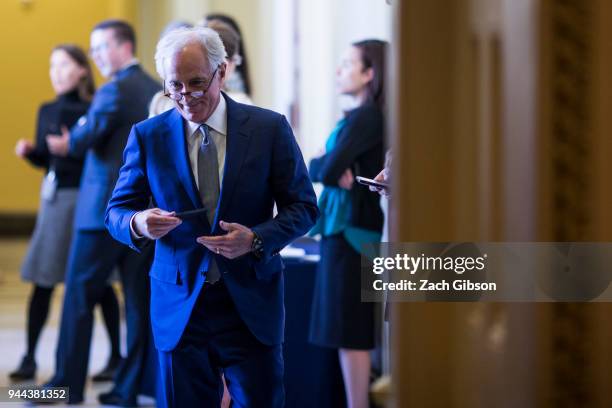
<point>101,135</point>
<point>216,280</point>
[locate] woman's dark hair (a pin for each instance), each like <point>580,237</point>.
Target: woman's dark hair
<point>86,86</point>
<point>229,37</point>
<point>374,55</point>
<point>243,68</point>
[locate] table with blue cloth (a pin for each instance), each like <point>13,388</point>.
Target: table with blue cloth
<point>312,373</point>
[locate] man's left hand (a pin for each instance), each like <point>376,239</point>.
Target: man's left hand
<point>235,243</point>
<point>59,144</point>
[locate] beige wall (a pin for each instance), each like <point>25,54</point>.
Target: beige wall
<point>152,17</point>
<point>29,32</point>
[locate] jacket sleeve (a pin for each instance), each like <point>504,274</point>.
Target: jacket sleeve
<point>361,133</point>
<point>101,120</point>
<point>314,168</point>
<point>293,193</point>
<point>131,193</point>
<point>40,155</point>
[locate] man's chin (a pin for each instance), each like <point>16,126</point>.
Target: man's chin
<point>191,116</point>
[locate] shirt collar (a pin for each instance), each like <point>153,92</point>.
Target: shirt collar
<point>130,63</point>
<point>133,61</point>
<point>217,121</point>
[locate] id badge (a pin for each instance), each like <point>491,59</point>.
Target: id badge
<point>49,187</point>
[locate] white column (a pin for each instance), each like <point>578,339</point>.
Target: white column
<point>188,10</point>
<point>316,64</point>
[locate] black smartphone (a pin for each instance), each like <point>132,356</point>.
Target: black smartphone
<point>190,214</point>
<point>369,182</point>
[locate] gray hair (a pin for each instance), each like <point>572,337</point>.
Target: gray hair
<point>174,25</point>
<point>172,43</point>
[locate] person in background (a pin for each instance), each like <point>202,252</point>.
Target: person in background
<point>160,103</point>
<point>45,261</point>
<point>240,81</point>
<point>350,217</point>
<point>231,42</point>
<point>94,254</point>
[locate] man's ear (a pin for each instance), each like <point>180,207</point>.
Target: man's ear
<point>129,48</point>
<point>369,73</point>
<point>222,71</point>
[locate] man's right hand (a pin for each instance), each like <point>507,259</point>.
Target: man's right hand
<point>23,148</point>
<point>154,223</point>
<point>382,177</point>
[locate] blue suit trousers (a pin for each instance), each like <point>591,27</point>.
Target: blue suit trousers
<point>217,341</point>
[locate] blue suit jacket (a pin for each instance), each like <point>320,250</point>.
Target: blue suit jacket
<point>102,136</point>
<point>263,166</point>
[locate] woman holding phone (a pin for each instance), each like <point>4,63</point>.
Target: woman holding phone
<point>45,261</point>
<point>350,216</point>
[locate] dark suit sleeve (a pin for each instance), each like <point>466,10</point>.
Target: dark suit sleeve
<point>102,119</point>
<point>361,133</point>
<point>314,168</point>
<point>131,193</point>
<point>39,156</point>
<point>293,193</point>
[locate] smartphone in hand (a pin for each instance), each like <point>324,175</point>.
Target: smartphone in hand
<point>190,214</point>
<point>369,182</point>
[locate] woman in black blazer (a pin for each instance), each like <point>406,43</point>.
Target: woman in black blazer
<point>350,216</point>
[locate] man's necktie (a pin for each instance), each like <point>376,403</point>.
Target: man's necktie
<point>208,181</point>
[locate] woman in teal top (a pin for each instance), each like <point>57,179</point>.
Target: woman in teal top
<point>350,216</point>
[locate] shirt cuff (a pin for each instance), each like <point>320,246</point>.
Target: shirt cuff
<point>133,232</point>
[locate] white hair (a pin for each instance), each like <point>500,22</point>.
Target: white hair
<point>174,41</point>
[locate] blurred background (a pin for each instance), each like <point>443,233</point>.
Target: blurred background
<point>500,119</point>
<point>293,47</point>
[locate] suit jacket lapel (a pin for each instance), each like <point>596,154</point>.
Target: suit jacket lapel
<point>237,144</point>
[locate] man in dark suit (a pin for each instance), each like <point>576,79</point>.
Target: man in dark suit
<point>101,135</point>
<point>216,280</point>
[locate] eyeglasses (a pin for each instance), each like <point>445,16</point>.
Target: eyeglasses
<point>177,96</point>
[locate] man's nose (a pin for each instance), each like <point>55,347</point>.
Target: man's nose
<point>186,88</point>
